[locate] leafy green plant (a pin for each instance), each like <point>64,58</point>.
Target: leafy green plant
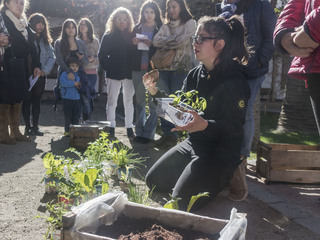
<point>189,98</point>
<point>124,156</point>
<point>53,165</point>
<point>173,202</point>
<point>139,194</point>
<point>54,220</point>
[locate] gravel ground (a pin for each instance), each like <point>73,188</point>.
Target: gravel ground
<point>23,196</point>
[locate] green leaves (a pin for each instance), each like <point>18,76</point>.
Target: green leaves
<point>190,98</point>
<point>195,198</point>
<point>173,203</point>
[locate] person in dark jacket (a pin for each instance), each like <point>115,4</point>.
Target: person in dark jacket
<point>14,82</point>
<point>45,51</point>
<point>259,19</point>
<point>206,160</point>
<point>298,34</point>
<point>114,56</point>
<point>148,26</point>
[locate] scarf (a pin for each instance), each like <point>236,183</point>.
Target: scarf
<point>4,31</point>
<point>228,9</point>
<point>20,24</point>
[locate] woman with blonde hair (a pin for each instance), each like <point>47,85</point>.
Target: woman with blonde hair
<point>15,69</point>
<point>114,57</point>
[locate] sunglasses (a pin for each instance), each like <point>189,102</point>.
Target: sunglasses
<point>122,19</point>
<point>200,39</point>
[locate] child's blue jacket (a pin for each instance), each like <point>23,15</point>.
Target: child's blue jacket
<point>67,88</point>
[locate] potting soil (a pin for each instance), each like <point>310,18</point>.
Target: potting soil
<point>125,228</point>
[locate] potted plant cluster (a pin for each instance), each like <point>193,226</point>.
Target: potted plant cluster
<point>175,108</point>
<point>79,180</point>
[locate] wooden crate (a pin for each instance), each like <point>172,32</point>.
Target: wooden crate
<point>81,135</point>
<point>288,163</point>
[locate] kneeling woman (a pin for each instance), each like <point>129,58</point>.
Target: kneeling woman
<point>206,160</point>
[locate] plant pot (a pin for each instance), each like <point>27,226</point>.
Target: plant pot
<point>124,171</point>
<point>57,235</point>
<point>51,185</point>
<point>113,169</point>
<point>67,201</point>
<point>172,114</point>
<point>124,186</point>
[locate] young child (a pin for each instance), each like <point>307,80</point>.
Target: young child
<point>70,95</point>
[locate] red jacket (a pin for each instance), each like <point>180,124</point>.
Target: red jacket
<point>295,14</point>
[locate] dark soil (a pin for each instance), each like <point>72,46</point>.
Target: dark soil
<point>147,229</point>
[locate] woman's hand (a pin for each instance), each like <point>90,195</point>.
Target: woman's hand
<point>150,84</point>
<point>91,59</point>
<point>135,41</point>
<point>79,55</point>
<point>302,39</point>
<point>4,40</point>
<point>148,42</point>
<point>42,74</point>
<point>36,72</point>
<point>71,76</point>
<point>196,125</point>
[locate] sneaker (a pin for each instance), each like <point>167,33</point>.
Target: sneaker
<point>66,134</point>
<point>166,142</point>
<point>111,132</point>
<point>142,140</point>
<point>130,133</point>
<point>238,183</point>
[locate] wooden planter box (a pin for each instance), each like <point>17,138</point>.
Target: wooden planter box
<point>81,135</point>
<point>236,226</point>
<point>288,163</point>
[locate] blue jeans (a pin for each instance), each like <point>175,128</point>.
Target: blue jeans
<point>248,127</point>
<point>145,126</point>
<point>87,101</point>
<point>170,82</point>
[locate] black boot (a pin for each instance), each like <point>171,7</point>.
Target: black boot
<point>111,132</point>
<point>27,131</point>
<point>130,133</point>
<point>36,132</point>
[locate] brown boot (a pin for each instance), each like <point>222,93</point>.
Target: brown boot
<point>14,117</point>
<point>4,133</point>
<point>238,183</point>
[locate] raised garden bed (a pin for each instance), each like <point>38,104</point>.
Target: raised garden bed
<point>132,218</point>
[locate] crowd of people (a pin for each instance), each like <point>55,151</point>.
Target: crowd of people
<point>224,58</point>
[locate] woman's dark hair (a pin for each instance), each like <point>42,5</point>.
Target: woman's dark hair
<point>74,60</point>
<point>90,32</point>
<point>232,32</point>
<point>184,15</point>
<point>155,7</point>
<point>65,48</point>
<point>36,18</point>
